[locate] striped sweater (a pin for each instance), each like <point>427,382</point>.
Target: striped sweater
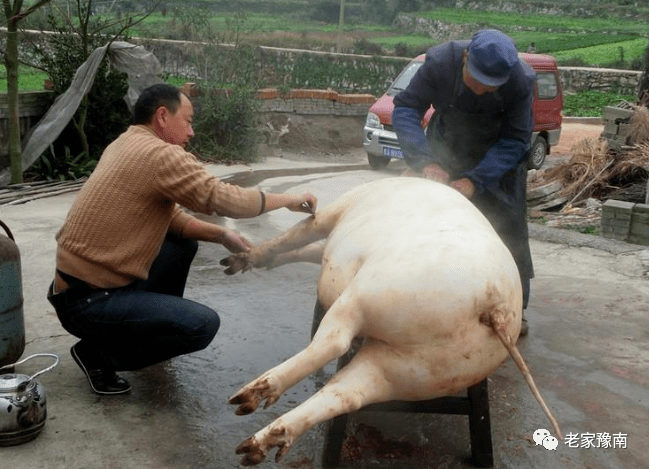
<point>120,218</point>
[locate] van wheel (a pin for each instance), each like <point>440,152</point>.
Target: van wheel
<point>377,161</point>
<point>537,153</point>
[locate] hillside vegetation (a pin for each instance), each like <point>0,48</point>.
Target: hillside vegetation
<point>598,39</point>
<point>611,33</point>
<point>596,33</point>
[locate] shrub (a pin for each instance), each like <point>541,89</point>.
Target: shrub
<point>409,50</point>
<point>61,167</point>
<point>225,120</point>
<point>225,123</point>
<point>339,73</point>
<point>365,47</point>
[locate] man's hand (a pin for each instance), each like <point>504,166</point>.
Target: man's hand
<point>303,203</point>
<point>464,186</point>
<point>435,173</point>
<point>233,241</point>
<point>295,203</point>
<point>200,230</point>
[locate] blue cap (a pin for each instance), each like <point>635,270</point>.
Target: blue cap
<point>492,56</point>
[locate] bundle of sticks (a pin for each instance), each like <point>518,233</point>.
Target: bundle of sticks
<point>22,193</point>
<point>595,171</point>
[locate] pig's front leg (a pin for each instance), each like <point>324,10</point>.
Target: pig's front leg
<point>311,253</point>
<point>242,262</point>
<point>307,231</point>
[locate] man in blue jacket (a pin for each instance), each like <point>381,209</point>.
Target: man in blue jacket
<point>478,139</point>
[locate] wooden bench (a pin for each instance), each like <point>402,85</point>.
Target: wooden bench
<point>475,404</point>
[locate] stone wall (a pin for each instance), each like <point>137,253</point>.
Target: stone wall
<point>575,79</point>
<point>177,56</point>
<point>303,118</point>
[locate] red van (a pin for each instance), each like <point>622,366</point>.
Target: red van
<point>380,140</point>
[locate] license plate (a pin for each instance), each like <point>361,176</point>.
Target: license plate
<point>392,152</point>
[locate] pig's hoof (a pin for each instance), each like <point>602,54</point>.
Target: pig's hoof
<point>251,395</point>
<point>236,263</point>
<point>255,449</point>
<point>253,452</point>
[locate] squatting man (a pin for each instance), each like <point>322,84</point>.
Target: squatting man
<point>126,246</point>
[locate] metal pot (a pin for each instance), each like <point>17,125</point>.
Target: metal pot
<point>22,404</point>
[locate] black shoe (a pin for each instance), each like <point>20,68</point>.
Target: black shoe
<point>101,381</point>
<point>524,327</point>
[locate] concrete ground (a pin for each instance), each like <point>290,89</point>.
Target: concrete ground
<point>587,349</point>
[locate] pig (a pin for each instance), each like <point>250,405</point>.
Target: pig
<point>414,269</point>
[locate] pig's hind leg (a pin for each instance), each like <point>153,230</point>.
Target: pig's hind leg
<point>361,382</point>
<point>333,338</point>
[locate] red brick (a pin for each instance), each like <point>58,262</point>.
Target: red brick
<point>356,98</point>
<point>267,93</point>
<point>190,89</point>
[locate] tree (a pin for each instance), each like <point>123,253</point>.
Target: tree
<point>14,13</point>
<point>75,38</point>
<point>102,114</point>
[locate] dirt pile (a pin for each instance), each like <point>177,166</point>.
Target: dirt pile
<point>316,133</point>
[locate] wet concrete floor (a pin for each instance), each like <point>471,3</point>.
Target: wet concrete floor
<point>587,348</point>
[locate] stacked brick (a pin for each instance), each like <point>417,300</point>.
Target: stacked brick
<point>625,221</point>
<point>616,127</point>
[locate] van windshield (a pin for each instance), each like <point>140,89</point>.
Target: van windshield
<point>404,78</point>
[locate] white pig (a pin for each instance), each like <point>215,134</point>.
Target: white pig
<point>415,269</point>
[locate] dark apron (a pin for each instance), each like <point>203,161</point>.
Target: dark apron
<point>459,141</point>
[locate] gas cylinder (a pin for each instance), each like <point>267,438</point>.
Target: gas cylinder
<point>12,322</point>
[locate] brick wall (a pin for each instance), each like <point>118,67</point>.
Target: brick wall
<point>307,102</point>
<point>321,102</point>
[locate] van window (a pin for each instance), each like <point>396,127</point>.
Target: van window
<point>401,82</point>
<point>546,85</point>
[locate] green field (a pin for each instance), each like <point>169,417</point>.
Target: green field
<point>509,21</point>
<point>253,23</point>
<point>29,79</point>
<point>597,41</point>
<point>606,54</point>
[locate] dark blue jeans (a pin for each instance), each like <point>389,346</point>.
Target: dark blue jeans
<point>143,323</point>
